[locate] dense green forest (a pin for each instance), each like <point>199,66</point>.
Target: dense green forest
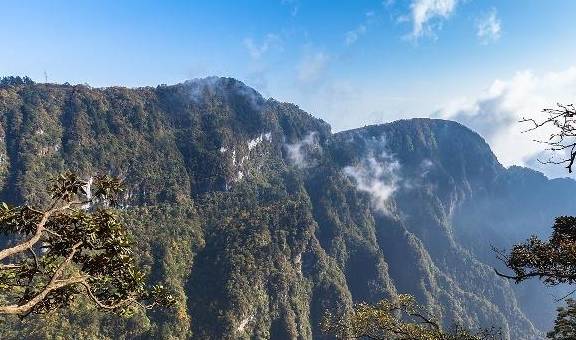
<point>259,219</point>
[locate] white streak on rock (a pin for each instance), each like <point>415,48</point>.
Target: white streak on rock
<point>254,142</point>
<point>244,323</point>
<point>88,190</point>
<point>263,136</point>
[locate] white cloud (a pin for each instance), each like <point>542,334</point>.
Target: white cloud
<point>353,35</point>
<point>379,176</point>
<point>496,113</point>
<point>258,70</point>
<point>256,51</point>
<point>427,14</point>
<point>346,105</point>
<point>301,153</point>
<point>312,67</point>
<point>489,28</point>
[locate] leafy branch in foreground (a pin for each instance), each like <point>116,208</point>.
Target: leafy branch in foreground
<point>553,262</point>
<point>565,323</point>
<point>74,247</point>
<point>400,318</point>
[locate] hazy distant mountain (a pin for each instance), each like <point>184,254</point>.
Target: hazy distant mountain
<point>261,219</point>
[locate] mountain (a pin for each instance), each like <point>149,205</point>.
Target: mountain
<point>261,219</point>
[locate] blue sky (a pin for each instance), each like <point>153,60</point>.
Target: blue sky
<point>355,62</point>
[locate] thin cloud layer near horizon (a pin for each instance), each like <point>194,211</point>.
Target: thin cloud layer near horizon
<point>485,64</point>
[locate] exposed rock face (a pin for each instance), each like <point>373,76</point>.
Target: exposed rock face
<point>261,219</point>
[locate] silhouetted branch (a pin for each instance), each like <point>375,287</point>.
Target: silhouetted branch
<point>563,120</point>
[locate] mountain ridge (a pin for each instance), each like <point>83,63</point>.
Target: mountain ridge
<point>261,219</point>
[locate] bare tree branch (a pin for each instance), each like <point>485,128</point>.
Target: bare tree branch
<point>563,120</point>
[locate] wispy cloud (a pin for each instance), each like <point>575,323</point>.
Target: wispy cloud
<point>302,153</point>
<point>312,67</point>
<point>258,70</point>
<point>427,15</point>
<point>379,176</point>
<point>489,27</point>
<point>199,87</point>
<point>294,6</point>
<point>495,113</point>
<point>257,50</point>
<point>353,35</point>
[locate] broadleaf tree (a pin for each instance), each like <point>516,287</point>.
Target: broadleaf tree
<point>398,318</point>
<point>74,247</point>
<point>552,261</point>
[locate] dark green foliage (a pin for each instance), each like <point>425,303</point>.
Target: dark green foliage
<point>251,244</point>
<point>15,81</point>
<point>565,324</point>
<point>400,318</point>
<point>553,262</point>
<point>70,249</point>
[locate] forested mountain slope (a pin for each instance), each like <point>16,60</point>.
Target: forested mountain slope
<point>260,218</point>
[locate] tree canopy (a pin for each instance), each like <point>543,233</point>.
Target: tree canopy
<point>565,324</point>
<point>75,246</point>
<point>552,261</point>
<point>399,318</point>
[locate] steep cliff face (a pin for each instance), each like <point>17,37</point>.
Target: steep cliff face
<point>439,168</point>
<point>260,219</point>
